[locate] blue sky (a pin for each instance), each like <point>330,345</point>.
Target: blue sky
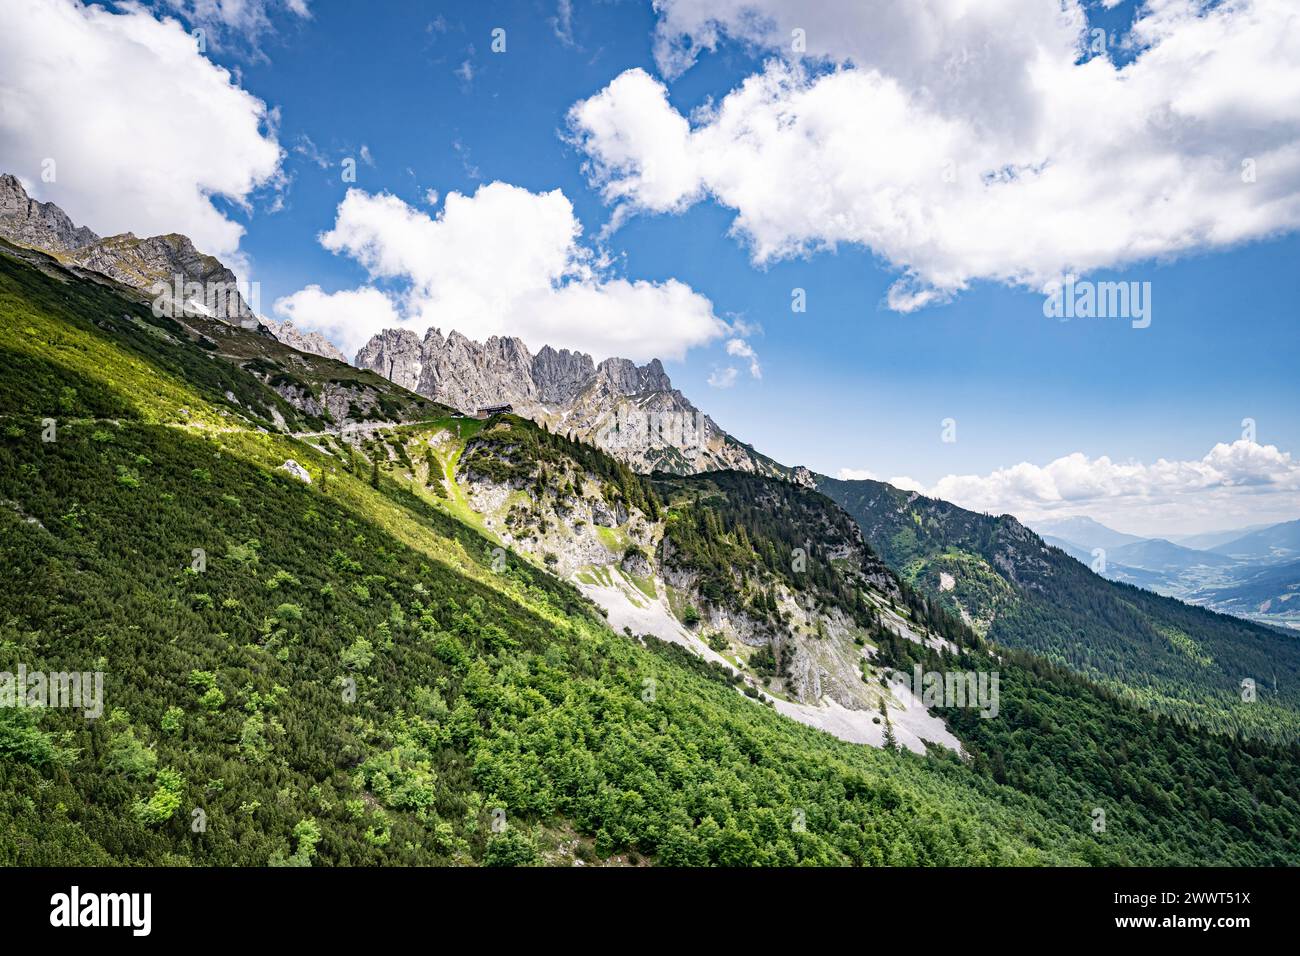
<point>852,383</point>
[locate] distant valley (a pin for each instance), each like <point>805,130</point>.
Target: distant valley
<point>1251,572</point>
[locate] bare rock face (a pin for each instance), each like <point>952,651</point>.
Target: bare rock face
<point>37,225</point>
<point>296,470</point>
<point>168,268</point>
<point>312,342</point>
<point>394,354</point>
<point>560,375</point>
<point>468,375</point>
<point>631,411</point>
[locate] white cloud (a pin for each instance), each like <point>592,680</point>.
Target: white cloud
<point>965,141</point>
<point>504,261</point>
<point>562,22</point>
<point>1243,482</point>
<point>142,128</point>
<point>866,474</point>
<point>346,318</point>
<point>307,148</point>
<point>723,377</point>
<point>250,18</point>
<point>741,349</point>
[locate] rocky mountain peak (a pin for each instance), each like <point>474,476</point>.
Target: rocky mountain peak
<point>394,354</point>
<point>312,342</point>
<point>560,374</point>
<point>164,267</point>
<point>630,410</point>
<point>37,225</point>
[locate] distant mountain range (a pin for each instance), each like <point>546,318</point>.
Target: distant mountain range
<point>1012,586</point>
<point>1084,532</point>
<point>1212,539</point>
<point>1236,572</point>
<point>1280,542</point>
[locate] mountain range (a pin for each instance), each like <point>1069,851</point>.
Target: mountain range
<point>159,264</point>
<point>1248,572</point>
<point>631,411</point>
<point>358,627</point>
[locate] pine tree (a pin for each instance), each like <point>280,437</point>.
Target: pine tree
<point>890,742</point>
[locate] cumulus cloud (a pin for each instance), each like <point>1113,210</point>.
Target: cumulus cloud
<point>142,129</point>
<point>342,317</point>
<point>1242,482</point>
<point>967,141</point>
<point>503,261</point>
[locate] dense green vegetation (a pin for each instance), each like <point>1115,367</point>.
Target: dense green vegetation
<point>1167,791</point>
<point>340,672</point>
<point>510,449</point>
<point>235,682</point>
<point>738,531</point>
<point>1185,662</point>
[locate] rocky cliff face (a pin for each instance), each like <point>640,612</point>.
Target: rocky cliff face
<point>37,225</point>
<point>167,268</point>
<point>632,411</point>
<point>312,342</point>
<point>394,354</point>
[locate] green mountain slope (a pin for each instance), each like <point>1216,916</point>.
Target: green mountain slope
<point>348,671</point>
<point>1170,793</point>
<point>476,691</point>
<point>1180,660</point>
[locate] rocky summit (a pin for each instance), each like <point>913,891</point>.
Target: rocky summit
<point>167,267</point>
<point>631,411</point>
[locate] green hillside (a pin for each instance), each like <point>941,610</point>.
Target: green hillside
<point>1182,661</point>
<point>343,672</point>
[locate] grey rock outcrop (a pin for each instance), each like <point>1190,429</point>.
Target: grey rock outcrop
<point>168,268</point>
<point>560,375</point>
<point>394,354</point>
<point>632,411</point>
<point>37,225</point>
<point>312,342</point>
